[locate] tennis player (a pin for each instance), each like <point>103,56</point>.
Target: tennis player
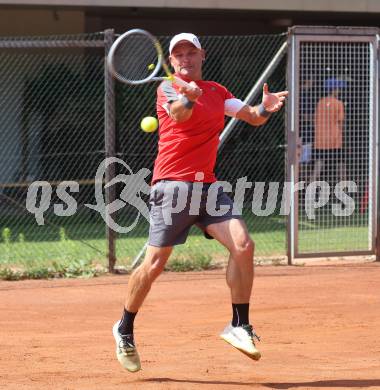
<point>190,123</point>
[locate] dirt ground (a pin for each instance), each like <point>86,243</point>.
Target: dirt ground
<point>319,326</point>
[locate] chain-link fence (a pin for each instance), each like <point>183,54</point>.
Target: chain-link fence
<point>52,130</point>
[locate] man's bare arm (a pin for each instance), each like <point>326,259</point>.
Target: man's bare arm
<point>258,115</point>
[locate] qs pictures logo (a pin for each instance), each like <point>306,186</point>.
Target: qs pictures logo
<point>40,193</point>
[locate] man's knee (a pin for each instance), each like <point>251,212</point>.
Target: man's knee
<point>243,248</point>
<point>157,267</point>
<point>155,264</point>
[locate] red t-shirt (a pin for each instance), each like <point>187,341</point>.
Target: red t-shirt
<point>189,147</point>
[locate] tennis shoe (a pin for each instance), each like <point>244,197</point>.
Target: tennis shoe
<point>242,338</point>
<point>126,351</point>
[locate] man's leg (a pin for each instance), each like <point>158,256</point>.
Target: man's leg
<point>142,278</point>
<point>233,234</point>
<point>139,285</point>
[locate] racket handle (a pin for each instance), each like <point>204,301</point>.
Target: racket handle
<point>182,83</point>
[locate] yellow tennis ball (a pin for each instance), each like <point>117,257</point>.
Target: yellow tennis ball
<point>151,66</point>
<point>149,124</point>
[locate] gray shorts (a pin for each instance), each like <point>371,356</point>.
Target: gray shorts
<point>169,228</point>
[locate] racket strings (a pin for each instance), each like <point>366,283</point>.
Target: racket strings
<point>135,58</point>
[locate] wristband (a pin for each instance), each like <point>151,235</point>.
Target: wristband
<point>263,112</point>
<point>186,102</point>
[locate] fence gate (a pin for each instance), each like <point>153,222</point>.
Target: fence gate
<point>333,111</point>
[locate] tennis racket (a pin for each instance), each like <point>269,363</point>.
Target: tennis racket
<point>136,57</point>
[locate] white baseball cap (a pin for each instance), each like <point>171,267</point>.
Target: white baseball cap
<point>184,37</point>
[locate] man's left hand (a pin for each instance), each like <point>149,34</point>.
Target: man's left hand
<point>273,101</point>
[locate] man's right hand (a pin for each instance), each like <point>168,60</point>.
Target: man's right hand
<point>191,93</point>
<point>182,109</point>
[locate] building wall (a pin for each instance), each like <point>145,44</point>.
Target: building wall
<point>257,18</point>
<point>25,22</point>
<point>167,21</point>
<point>36,21</point>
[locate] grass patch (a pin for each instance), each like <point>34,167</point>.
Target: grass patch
<point>77,246</point>
<point>183,264</point>
<point>73,269</point>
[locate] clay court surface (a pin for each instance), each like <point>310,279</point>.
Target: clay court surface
<point>319,324</point>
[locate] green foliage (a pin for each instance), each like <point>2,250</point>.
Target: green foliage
<point>6,235</point>
<point>72,269</point>
<point>62,234</point>
<point>183,264</point>
<point>9,274</point>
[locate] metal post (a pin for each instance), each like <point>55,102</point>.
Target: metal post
<point>256,89</point>
<point>377,149</point>
<point>290,123</point>
<point>110,144</point>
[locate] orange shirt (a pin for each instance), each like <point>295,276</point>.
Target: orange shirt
<point>329,117</point>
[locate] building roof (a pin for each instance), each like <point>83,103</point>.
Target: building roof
<point>278,5</point>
